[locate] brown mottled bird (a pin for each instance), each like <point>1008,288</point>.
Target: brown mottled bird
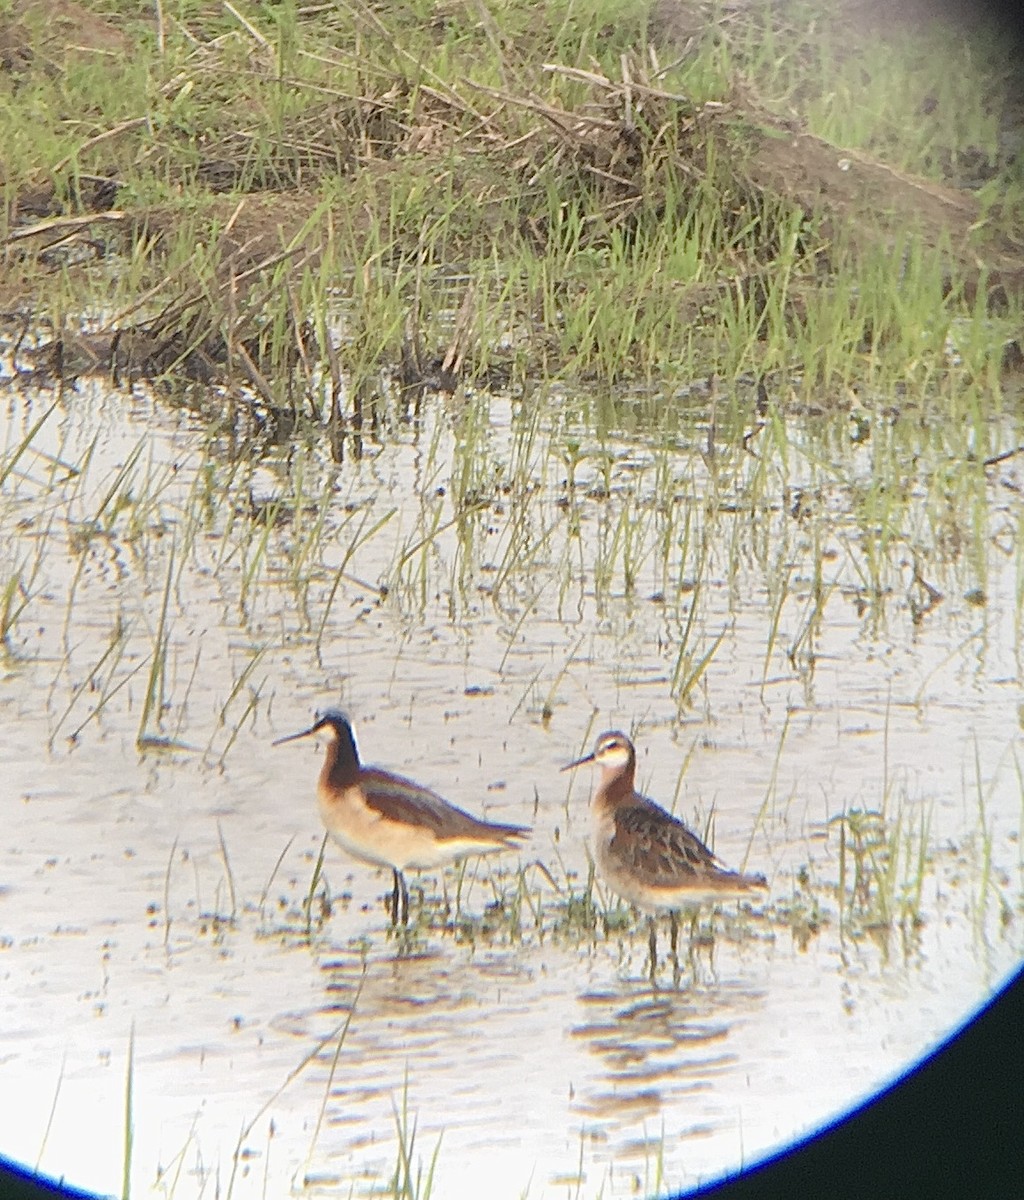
<point>645,854</point>
<point>390,821</point>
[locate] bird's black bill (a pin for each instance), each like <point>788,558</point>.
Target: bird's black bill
<point>587,758</point>
<point>295,736</point>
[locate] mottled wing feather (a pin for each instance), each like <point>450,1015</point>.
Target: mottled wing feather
<point>407,802</point>
<point>655,846</point>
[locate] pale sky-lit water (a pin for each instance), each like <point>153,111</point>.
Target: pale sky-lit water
<point>526,1062</point>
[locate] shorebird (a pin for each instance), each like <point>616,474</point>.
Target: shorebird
<point>389,821</point>
<point>645,854</point>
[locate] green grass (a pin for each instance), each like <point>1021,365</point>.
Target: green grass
<point>384,147</point>
<point>409,1181</point>
<point>129,1119</point>
<point>908,99</point>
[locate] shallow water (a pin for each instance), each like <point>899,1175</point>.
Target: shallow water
<point>154,900</point>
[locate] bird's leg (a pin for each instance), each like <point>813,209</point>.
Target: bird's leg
<point>673,917</point>
<point>395,893</point>
<point>652,944</point>
<point>400,882</point>
<point>693,942</point>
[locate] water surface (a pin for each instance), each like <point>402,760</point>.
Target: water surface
<point>485,589</point>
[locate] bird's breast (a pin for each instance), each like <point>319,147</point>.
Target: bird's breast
<point>357,827</point>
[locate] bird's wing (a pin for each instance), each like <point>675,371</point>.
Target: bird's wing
<point>403,800</point>
<point>657,847</point>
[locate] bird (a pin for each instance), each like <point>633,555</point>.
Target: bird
<point>387,820</point>
<point>645,854</point>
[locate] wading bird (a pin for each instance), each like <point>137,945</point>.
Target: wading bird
<point>645,854</point>
<point>389,821</point>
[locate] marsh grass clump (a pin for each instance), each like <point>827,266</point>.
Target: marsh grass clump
<point>485,203</point>
<point>883,863</point>
<point>803,911</point>
<point>409,1182</point>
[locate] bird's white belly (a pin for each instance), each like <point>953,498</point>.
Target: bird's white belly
<point>368,836</point>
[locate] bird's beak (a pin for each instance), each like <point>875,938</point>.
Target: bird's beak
<point>293,736</point>
<point>587,758</point>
